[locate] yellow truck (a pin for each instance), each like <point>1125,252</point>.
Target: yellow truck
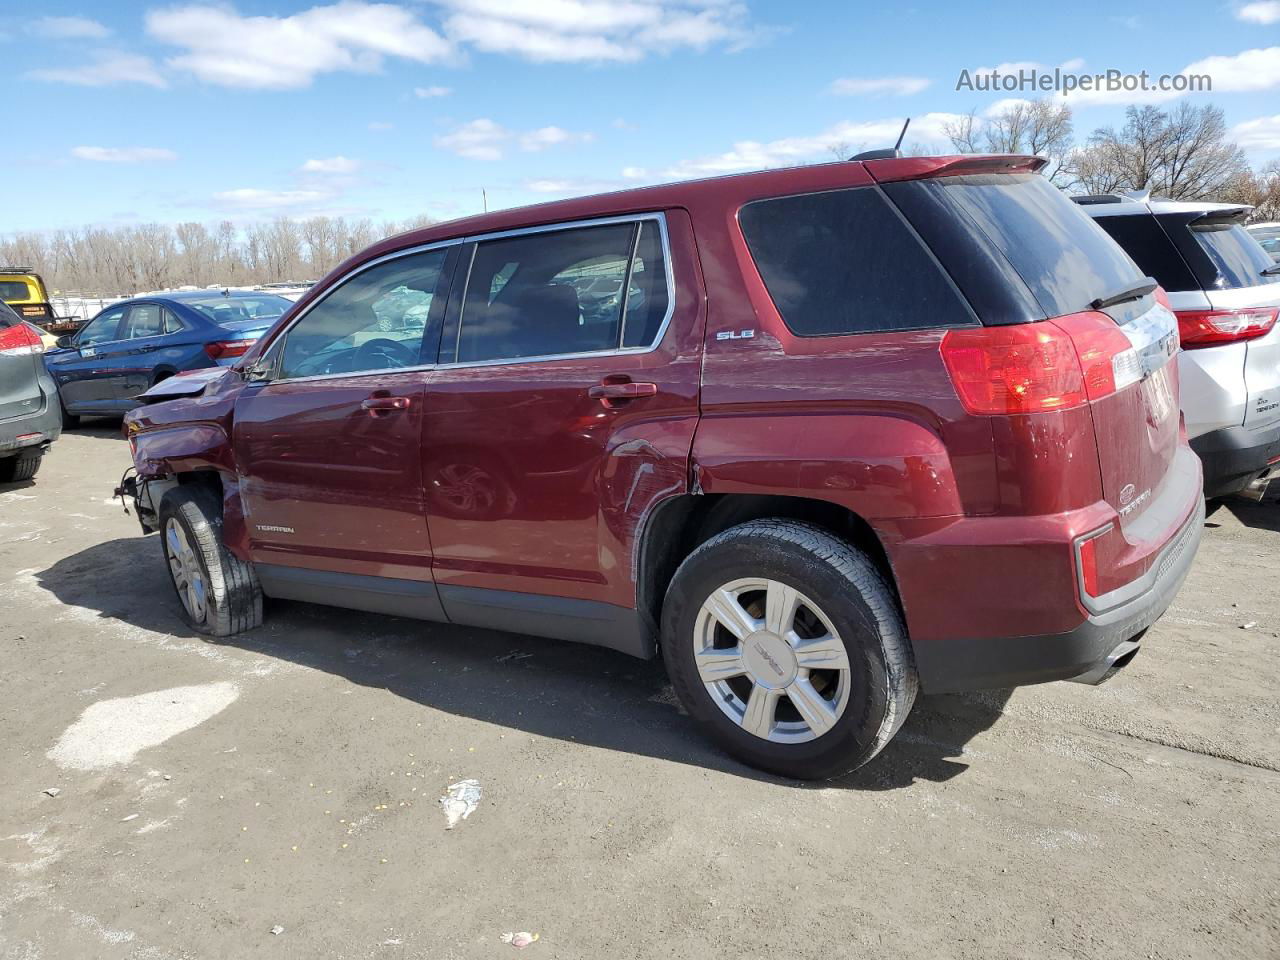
<point>24,290</point>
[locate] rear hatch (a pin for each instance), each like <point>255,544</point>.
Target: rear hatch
<point>1244,300</point>
<point>20,359</point>
<point>1016,232</point>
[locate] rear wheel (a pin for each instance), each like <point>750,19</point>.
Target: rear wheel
<point>786,643</point>
<point>22,467</point>
<point>218,592</point>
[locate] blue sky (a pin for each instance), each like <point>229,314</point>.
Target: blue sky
<point>154,112</point>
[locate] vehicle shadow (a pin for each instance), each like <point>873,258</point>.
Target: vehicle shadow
<point>545,687</point>
<point>1251,513</point>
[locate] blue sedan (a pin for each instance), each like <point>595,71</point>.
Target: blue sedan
<point>131,345</point>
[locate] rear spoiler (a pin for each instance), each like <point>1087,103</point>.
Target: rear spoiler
<point>920,168</point>
<point>1221,219</point>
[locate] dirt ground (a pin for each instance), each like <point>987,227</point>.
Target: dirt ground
<point>210,792</point>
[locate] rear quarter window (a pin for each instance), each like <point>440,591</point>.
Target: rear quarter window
<point>845,262</point>
<point>1145,241</point>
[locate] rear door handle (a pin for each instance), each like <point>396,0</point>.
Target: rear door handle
<point>381,406</point>
<point>607,392</point>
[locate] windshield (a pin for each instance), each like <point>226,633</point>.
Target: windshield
<point>223,310</point>
<point>1060,254</point>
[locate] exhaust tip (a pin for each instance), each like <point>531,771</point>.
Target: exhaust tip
<point>1110,665</point>
<point>1257,488</point>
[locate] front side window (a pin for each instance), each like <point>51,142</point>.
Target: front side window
<point>377,320</point>
<point>560,293</point>
<point>844,262</point>
<point>102,328</point>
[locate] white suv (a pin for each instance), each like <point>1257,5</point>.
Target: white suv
<point>1225,290</point>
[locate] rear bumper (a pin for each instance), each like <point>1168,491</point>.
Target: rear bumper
<point>37,429</point>
<point>1080,653</point>
<point>1233,456</point>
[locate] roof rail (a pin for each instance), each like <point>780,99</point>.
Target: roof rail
<point>17,269</point>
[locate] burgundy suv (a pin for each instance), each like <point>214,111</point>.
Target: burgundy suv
<point>824,436</point>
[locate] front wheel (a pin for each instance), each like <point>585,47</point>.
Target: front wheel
<point>786,643</point>
<point>218,592</point>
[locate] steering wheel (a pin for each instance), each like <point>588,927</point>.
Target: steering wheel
<point>375,353</point>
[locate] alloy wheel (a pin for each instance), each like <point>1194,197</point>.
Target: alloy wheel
<point>185,570</point>
<point>771,660</point>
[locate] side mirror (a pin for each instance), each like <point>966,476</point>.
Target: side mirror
<point>64,341</point>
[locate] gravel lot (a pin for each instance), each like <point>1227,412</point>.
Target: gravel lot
<point>209,792</point>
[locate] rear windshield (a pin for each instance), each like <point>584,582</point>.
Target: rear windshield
<point>1061,256</point>
<point>234,309</point>
<point>14,290</point>
<point>1146,242</point>
<point>1237,256</point>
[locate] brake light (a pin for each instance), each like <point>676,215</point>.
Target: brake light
<point>221,349</point>
<point>1040,367</point>
<point>1204,328</point>
<point>19,340</point>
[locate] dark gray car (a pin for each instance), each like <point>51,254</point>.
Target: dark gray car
<point>30,418</point>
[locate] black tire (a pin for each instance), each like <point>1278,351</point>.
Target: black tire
<point>853,596</point>
<point>233,597</point>
<point>22,467</point>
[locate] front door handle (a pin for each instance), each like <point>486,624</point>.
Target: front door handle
<point>612,392</point>
<point>383,406</point>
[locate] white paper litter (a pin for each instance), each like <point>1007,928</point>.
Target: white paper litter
<point>460,800</point>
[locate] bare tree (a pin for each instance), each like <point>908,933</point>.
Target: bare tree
<point>1182,155</point>
<point>1041,128</point>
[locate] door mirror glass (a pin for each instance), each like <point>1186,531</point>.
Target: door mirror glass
<point>64,341</point>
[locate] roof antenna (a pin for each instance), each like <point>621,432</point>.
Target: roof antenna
<point>886,153</point>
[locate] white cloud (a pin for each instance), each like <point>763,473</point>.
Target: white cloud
<point>900,86</point>
<point>1266,12</point>
<point>428,93</point>
<point>1260,134</point>
<point>68,28</point>
<point>1000,106</point>
<point>381,126</point>
<point>634,173</point>
<point>1243,72</point>
<point>336,165</point>
<point>250,198</point>
<point>227,49</point>
<point>124,154</point>
<point>485,140</point>
<point>106,68</point>
<point>543,137</point>
<point>594,30</point>
<point>754,155</point>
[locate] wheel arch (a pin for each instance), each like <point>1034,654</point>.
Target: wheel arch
<point>679,525</point>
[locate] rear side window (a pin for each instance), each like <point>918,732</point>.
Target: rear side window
<point>562,292</point>
<point>1150,247</point>
<point>1062,257</point>
<point>1237,257</point>
<point>845,262</point>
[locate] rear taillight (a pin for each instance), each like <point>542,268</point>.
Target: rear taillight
<point>1039,367</point>
<point>222,349</point>
<point>19,340</point>
<point>1204,328</point>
